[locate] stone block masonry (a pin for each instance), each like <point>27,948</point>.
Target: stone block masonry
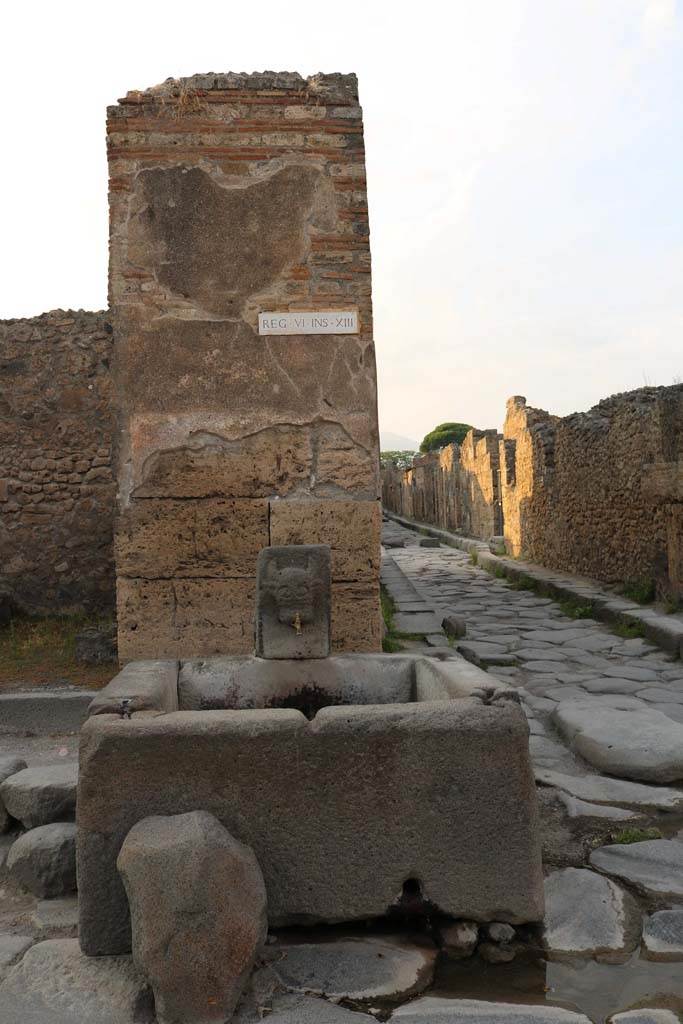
<point>232,196</point>
<point>56,483</point>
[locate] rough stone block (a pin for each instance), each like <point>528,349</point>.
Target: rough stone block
<point>350,528</point>
<point>8,766</point>
<point>198,913</point>
<point>171,618</point>
<point>433,764</point>
<point>171,538</point>
<point>356,617</point>
<point>43,860</point>
<point>38,796</point>
<point>144,685</point>
<point>293,602</point>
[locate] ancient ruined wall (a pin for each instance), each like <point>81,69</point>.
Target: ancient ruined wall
<point>599,493</point>
<point>233,195</point>
<point>56,485</point>
<point>456,487</point>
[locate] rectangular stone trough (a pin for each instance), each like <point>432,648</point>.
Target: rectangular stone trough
<point>356,779</point>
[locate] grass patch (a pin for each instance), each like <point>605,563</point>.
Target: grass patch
<point>640,591</point>
<point>474,558</point>
<point>635,835</point>
<point>575,609</point>
<point>391,643</point>
<point>498,572</point>
<point>524,583</point>
<point>629,630</point>
<point>39,652</point>
<point>672,606</point>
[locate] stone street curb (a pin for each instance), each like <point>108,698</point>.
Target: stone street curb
<point>44,712</point>
<point>666,631</point>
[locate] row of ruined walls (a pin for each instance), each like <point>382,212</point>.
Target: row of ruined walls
<point>598,494</point>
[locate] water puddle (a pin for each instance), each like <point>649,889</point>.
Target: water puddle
<point>595,989</point>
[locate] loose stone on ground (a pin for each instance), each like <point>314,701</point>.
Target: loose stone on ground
<point>39,796</point>
<point>43,860</point>
<point>198,913</point>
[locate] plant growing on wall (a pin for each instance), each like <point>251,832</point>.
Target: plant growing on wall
<point>445,433</point>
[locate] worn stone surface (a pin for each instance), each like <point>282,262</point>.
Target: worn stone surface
<point>354,969</point>
<point>293,602</point>
<point>599,790</point>
<point>588,915</point>
<point>645,1016</point>
<point>351,862</point>
<point>8,766</point>
<point>430,1009</point>
<point>38,796</point>
<point>198,913</point>
<point>11,948</point>
<point>663,935</point>
<point>56,483</point>
<point>55,983</point>
<point>635,744</point>
<point>58,916</point>
<point>295,1009</point>
<point>654,867</point>
<point>350,528</point>
<point>43,860</point>
<point>236,683</point>
<point>143,685</point>
<point>223,208</point>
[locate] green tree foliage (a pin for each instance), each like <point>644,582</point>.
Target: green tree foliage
<point>445,433</point>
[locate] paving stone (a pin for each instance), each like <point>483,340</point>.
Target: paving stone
<point>542,666</point>
<point>594,643</point>
<point>294,1009</point>
<point>59,915</point>
<point>588,915</point>
<point>612,685</point>
<point>659,695</point>
<point>459,939</point>
<point>43,860</point>
<point>548,653</point>
<point>653,867</point>
<point>11,948</point>
<point>603,812</point>
<point>416,622</point>
<point>631,672</point>
<point>663,935</point>
<point>599,789</point>
<point>437,1010</point>
<point>38,796</point>
<point>634,744</point>
<point>553,636</point>
<point>645,1016</point>
<point>357,969</point>
<point>54,983</point>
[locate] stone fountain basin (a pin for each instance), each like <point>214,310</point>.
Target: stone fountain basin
<point>357,780</point>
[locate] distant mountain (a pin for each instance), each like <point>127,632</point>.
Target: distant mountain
<point>390,442</point>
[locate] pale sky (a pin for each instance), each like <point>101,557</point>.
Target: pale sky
<point>524,166</point>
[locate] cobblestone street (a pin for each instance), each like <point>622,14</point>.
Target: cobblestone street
<point>586,690</point>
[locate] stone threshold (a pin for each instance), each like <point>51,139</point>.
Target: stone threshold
<point>666,631</point>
